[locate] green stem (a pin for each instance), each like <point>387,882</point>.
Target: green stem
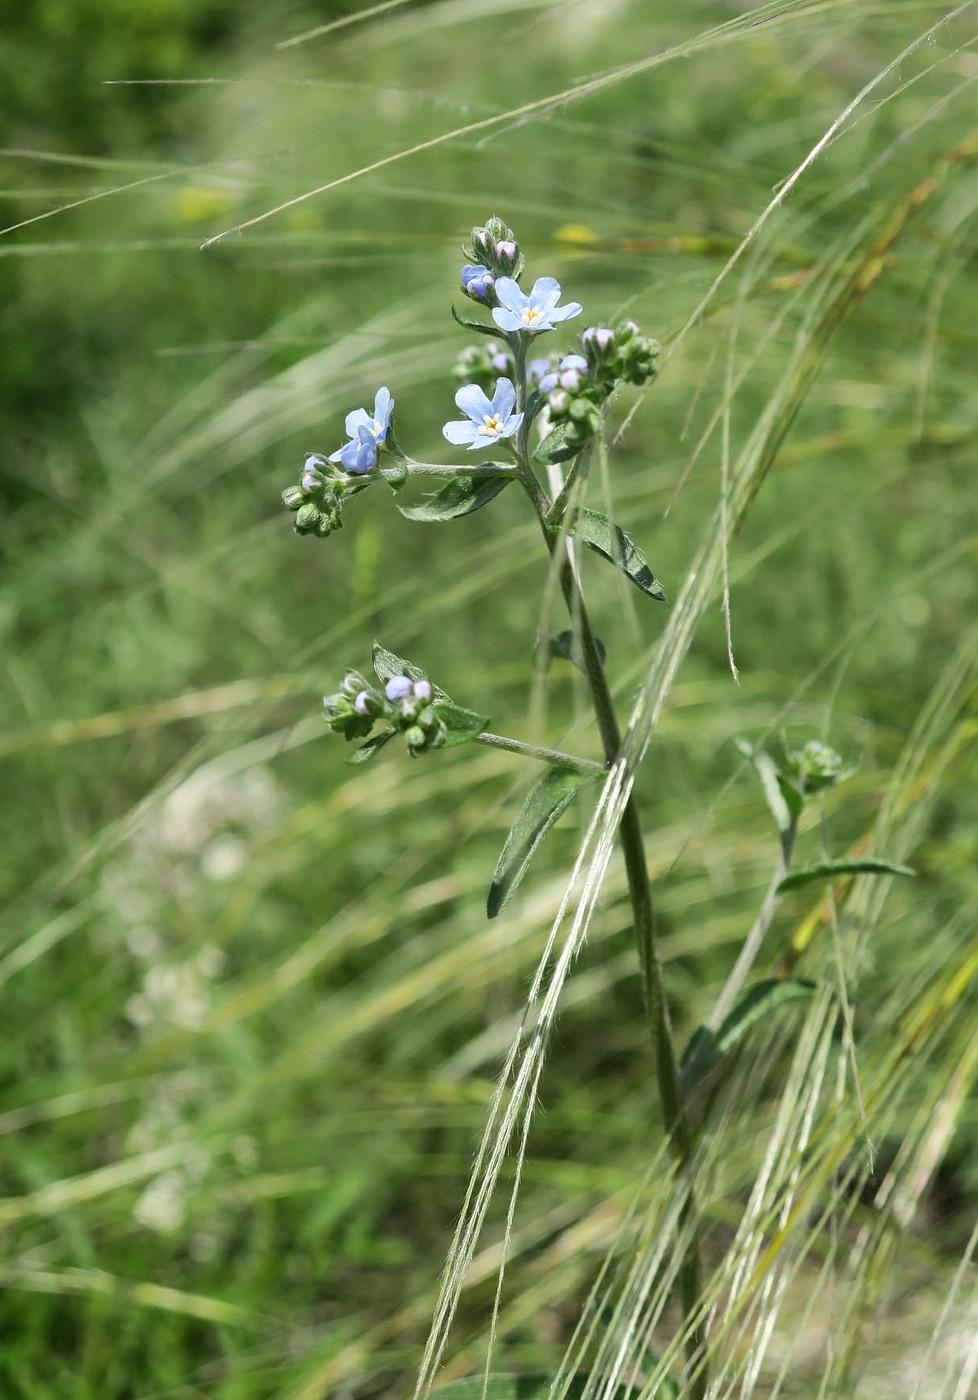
<point>412,468</point>
<point>640,895</point>
<point>565,760</point>
<point>752,943</point>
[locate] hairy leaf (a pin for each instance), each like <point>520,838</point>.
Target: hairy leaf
<point>610,541</point>
<point>707,1048</point>
<point>545,801</point>
<point>367,750</point>
<point>831,869</point>
<point>555,447</point>
<point>460,496</point>
<point>462,725</point>
<point>387,665</point>
<point>476,326</point>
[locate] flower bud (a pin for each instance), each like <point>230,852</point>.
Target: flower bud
<point>398,687</point>
<point>423,690</point>
<point>477,283</point>
<point>352,683</point>
<point>495,247</point>
<point>601,337</point>
<point>417,740</point>
<point>506,254</point>
<point>307,519</point>
<point>293,497</point>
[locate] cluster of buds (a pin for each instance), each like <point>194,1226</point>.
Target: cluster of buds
<point>573,399</point>
<point>317,500</point>
<point>494,253</point>
<point>404,705</point>
<point>814,767</point>
<point>620,354</point>
<point>484,364</point>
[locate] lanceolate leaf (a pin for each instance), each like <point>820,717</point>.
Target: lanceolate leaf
<point>387,665</point>
<point>477,326</point>
<point>610,541</point>
<point>707,1048</point>
<point>367,750</point>
<point>548,797</point>
<point>832,869</point>
<point>460,496</point>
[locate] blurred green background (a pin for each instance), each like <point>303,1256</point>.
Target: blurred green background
<point>253,1009</point>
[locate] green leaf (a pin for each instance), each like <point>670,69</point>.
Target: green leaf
<point>610,541</point>
<point>476,325</point>
<point>460,496</point>
<point>556,447</point>
<point>367,750</point>
<point>707,1048</point>
<point>831,869</point>
<point>567,646</point>
<point>784,801</point>
<point>462,725</point>
<point>387,666</point>
<point>545,801</point>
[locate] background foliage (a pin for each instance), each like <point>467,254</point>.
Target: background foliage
<point>253,1009</point>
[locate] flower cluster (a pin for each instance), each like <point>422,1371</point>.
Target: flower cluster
<point>814,767</point>
<point>620,354</point>
<point>497,395</point>
<point>405,705</point>
<point>494,253</point>
<point>318,498</point>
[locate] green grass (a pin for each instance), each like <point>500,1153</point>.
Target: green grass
<point>254,1013</point>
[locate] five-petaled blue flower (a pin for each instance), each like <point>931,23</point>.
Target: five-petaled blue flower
<point>367,434</point>
<point>488,420</point>
<point>537,311</point>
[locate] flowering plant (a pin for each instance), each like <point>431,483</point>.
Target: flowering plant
<point>545,419</point>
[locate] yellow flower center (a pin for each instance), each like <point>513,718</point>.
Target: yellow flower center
<point>531,315</point>
<point>491,427</point>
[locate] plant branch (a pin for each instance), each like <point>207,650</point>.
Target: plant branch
<point>565,760</point>
<point>752,944</point>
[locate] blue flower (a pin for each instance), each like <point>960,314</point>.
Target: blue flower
<point>359,455</point>
<point>537,312</point>
<point>488,421</point>
<point>367,434</point>
<point>477,281</point>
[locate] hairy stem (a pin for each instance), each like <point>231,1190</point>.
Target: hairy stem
<point>566,760</point>
<point>752,943</point>
<point>674,1116</point>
